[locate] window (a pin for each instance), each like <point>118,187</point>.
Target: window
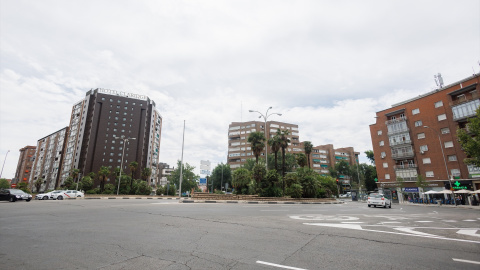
<point>452,158</point>
<point>383,154</point>
<point>385,165</point>
<point>415,111</point>
<point>382,143</point>
<point>418,123</point>
<point>455,172</point>
<point>103,98</point>
<point>379,132</point>
<point>423,148</point>
<point>445,130</point>
<point>421,135</point>
<point>387,176</point>
<point>438,104</point>
<point>442,117</point>
<point>427,161</point>
<point>448,144</point>
<point>429,174</point>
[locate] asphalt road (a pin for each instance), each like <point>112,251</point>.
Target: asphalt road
<point>160,234</point>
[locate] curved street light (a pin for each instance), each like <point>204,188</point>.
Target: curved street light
<point>123,153</point>
<point>4,162</point>
<point>265,117</point>
<point>444,161</point>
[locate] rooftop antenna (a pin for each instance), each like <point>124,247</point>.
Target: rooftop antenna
<point>438,80</point>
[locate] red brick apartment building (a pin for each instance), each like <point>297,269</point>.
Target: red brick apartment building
<point>418,137</point>
<point>25,164</point>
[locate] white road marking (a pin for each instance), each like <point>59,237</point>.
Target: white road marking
<point>353,222</point>
<point>411,230</point>
<point>358,227</point>
<point>424,221</point>
<point>466,261</point>
<point>469,220</point>
<point>469,232</point>
<point>391,222</point>
<point>280,266</point>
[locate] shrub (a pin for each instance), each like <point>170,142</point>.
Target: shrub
<point>295,191</point>
<point>93,191</point>
<point>109,189</point>
<point>142,188</point>
<point>160,190</point>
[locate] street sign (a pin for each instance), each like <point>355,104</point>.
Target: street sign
<point>14,185</point>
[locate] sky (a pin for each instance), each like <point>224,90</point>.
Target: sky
<point>326,66</point>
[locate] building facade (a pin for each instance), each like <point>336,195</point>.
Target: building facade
<point>24,165</point>
<point>48,160</point>
<point>239,149</point>
<point>164,171</point>
<point>418,137</point>
<point>96,124</point>
<point>325,156</point>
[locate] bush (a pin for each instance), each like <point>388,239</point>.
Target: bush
<point>160,190</point>
<point>93,191</point>
<point>272,192</point>
<point>295,191</point>
<point>142,188</point>
<point>109,189</point>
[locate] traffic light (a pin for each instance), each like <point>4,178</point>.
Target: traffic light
<point>337,181</point>
<point>376,180</point>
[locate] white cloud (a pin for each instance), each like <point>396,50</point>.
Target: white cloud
<point>328,66</point>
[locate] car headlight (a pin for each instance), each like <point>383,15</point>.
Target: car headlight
<point>18,196</point>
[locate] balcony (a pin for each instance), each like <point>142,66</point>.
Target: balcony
<point>464,99</point>
<point>397,120</point>
<point>405,167</point>
<point>465,110</point>
<point>400,143</point>
<point>403,155</point>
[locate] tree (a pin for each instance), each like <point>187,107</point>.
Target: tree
<point>103,174</point>
<point>302,160</point>
<point>38,184</point>
<point>4,183</point>
<point>370,156</point>
<point>188,177</point>
<point>257,142</point>
<point>274,142</point>
<point>24,186</point>
<point>221,175</point>
<point>75,174</point>
<point>308,146</point>
<point>240,179</point>
<point>87,183</point>
<point>284,141</point>
<point>469,139</point>
<point>146,173</point>
<point>133,167</point>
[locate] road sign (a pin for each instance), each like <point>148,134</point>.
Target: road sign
<point>14,185</point>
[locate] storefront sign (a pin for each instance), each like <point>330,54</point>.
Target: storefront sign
<point>458,186</point>
<point>410,189</point>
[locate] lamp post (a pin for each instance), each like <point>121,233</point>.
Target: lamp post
<point>123,153</point>
<point>445,162</point>
<point>4,163</point>
<point>265,117</point>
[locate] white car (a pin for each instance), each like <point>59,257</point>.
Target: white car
<point>377,199</point>
<point>66,194</point>
<point>46,196</point>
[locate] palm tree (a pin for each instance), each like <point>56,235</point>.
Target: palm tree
<point>257,140</point>
<point>133,167</point>
<point>308,149</point>
<point>146,173</point>
<point>102,174</point>
<point>75,173</point>
<point>284,141</point>
<point>274,142</point>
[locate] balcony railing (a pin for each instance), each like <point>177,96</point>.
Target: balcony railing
<point>400,142</point>
<point>403,155</point>
<point>396,120</point>
<point>405,167</point>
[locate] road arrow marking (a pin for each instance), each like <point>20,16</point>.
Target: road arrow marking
<point>469,232</point>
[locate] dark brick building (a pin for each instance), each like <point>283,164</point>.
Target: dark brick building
<point>95,123</point>
<point>25,164</point>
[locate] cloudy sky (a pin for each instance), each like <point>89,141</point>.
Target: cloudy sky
<point>327,66</point>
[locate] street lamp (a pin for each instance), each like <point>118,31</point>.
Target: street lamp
<point>444,161</point>
<point>4,163</point>
<point>265,117</point>
<point>123,153</point>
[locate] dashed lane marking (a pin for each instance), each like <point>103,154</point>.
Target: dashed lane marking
<point>280,266</point>
<point>465,261</point>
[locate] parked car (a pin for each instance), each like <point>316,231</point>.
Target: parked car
<point>14,194</point>
<point>46,196</point>
<point>65,194</point>
<point>378,199</point>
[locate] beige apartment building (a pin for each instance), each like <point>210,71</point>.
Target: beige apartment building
<point>239,150</point>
